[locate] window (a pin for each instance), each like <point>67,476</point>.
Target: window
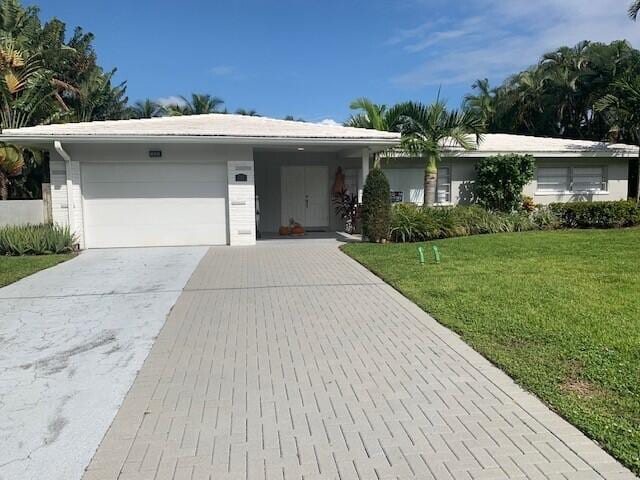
<point>553,179</point>
<point>571,179</point>
<point>444,185</point>
<point>588,179</point>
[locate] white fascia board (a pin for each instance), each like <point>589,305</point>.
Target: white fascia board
<point>256,141</point>
<point>563,154</point>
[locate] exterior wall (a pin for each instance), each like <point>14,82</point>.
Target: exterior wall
<point>242,202</point>
<point>463,174</point>
<point>268,182</point>
<point>82,153</point>
<point>20,212</point>
<point>59,207</point>
<point>617,172</point>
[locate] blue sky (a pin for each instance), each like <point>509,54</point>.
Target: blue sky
<point>310,58</point>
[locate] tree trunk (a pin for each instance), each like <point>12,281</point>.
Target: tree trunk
<point>430,180</point>
<point>637,179</point>
<point>4,186</point>
<point>376,160</point>
<point>634,179</point>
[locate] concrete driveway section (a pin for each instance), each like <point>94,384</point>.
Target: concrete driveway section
<point>72,339</point>
<point>291,361</point>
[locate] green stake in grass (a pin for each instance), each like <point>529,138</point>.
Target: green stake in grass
<point>436,254</point>
<point>421,255</point>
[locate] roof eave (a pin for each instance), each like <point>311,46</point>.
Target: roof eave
<point>544,154</point>
<point>234,140</point>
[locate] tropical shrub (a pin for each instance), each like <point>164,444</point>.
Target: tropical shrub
<point>597,214</point>
<point>412,223</point>
<point>376,206</point>
<point>500,180</point>
<point>348,209</point>
<point>36,240</point>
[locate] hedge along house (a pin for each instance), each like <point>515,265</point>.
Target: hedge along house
<point>193,180</point>
<point>566,170</point>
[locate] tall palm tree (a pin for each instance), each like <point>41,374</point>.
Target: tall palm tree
<point>198,104</point>
<point>483,103</point>
<point>11,164</point>
<point>634,9</point>
<point>370,115</point>
<point>376,116</point>
<point>146,109</point>
<point>622,108</point>
<point>427,129</point>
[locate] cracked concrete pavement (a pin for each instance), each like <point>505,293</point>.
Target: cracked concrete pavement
<point>72,339</point>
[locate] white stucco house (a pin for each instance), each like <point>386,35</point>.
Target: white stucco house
<point>193,180</point>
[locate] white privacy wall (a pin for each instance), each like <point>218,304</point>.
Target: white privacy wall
<point>20,212</point>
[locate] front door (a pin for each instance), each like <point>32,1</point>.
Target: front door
<point>305,195</point>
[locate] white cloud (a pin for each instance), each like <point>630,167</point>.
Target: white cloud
<point>498,38</point>
<point>172,100</point>
<point>222,71</point>
<point>331,122</point>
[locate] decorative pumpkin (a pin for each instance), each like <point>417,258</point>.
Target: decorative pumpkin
<point>283,231</point>
<point>297,230</point>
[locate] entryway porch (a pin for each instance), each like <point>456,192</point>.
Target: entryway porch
<point>299,186</point>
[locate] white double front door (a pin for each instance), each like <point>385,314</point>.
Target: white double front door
<point>305,195</point>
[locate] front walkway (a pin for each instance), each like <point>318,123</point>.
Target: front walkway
<point>290,361</point>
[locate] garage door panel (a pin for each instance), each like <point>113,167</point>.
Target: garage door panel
<point>139,172</point>
<point>158,236</point>
<point>142,204</point>
<point>147,211</point>
<point>149,190</point>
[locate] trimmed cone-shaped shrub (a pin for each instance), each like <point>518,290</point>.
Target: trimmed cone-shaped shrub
<point>376,206</point>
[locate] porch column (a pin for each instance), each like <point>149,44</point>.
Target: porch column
<point>364,171</point>
<point>242,202</point>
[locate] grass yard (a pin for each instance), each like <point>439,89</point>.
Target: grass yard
<point>13,269</point>
<point>559,311</point>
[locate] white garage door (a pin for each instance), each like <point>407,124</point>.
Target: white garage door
<point>159,204</point>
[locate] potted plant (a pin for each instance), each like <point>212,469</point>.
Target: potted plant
<point>348,209</point>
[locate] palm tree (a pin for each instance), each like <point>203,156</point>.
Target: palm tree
<point>199,104</point>
<point>26,88</point>
<point>483,104</point>
<point>376,116</point>
<point>634,9</point>
<point>98,99</point>
<point>248,113</point>
<point>11,164</point>
<point>427,129</point>
<point>146,109</point>
<point>370,115</point>
<point>622,108</point>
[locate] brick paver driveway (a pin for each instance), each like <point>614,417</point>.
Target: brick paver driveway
<point>290,361</point>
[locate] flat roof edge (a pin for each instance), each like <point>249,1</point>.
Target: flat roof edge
<point>245,140</point>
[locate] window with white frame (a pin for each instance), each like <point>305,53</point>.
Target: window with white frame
<point>571,179</point>
<point>444,185</point>
<point>588,179</point>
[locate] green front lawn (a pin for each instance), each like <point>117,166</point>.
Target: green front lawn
<point>13,269</point>
<point>559,311</point>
